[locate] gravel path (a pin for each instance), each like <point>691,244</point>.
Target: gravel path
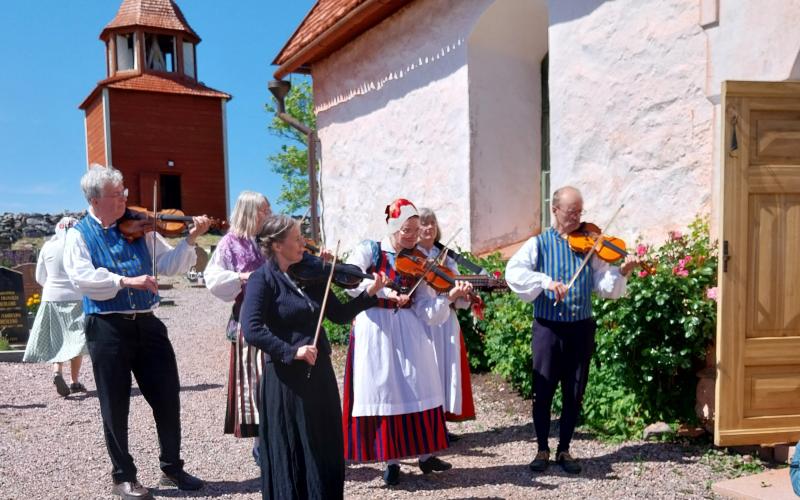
<point>51,447</point>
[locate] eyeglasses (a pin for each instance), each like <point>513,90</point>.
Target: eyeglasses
<point>572,213</point>
<point>120,194</point>
<point>408,232</point>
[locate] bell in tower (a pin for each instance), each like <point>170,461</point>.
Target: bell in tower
<point>152,119</point>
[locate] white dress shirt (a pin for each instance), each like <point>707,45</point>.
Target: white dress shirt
<point>527,283</point>
<point>98,283</point>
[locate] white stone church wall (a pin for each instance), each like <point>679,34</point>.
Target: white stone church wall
<point>630,120</point>
<point>393,121</point>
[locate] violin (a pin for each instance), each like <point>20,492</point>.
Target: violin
<point>313,269</point>
<point>460,259</point>
<point>414,263</point>
<point>170,222</point>
<point>609,248</point>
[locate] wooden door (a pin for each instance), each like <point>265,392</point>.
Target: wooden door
<point>758,330</point>
<point>146,180</point>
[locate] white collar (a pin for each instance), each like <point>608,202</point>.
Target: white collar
<point>93,216</point>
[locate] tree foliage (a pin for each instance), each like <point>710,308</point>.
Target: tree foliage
<point>291,163</point>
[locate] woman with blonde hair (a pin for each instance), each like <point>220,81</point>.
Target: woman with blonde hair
<point>237,255</point>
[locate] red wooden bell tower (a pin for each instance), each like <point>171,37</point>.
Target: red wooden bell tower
<point>152,119</point>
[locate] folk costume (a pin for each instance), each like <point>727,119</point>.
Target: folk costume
<point>124,336</point>
<point>57,333</point>
<point>451,357</point>
<point>393,397</point>
<point>563,333</point>
<point>300,409</point>
<point>237,254</point>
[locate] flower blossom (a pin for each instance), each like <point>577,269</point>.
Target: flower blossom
<point>712,294</point>
<point>641,250</point>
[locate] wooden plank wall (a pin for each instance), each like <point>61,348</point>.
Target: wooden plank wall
<point>148,129</point>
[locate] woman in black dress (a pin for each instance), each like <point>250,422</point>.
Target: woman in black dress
<point>301,425</point>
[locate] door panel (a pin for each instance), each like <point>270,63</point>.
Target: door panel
<point>758,330</point>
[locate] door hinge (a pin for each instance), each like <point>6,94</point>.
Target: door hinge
<point>725,256</point>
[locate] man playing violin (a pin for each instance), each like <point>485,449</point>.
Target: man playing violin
<point>563,326</point>
<point>115,277</point>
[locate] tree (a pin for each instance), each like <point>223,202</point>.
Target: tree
<point>292,161</point>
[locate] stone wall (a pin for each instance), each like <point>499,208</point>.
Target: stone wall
<point>29,225</point>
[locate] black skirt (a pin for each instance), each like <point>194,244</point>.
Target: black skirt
<point>302,448</point>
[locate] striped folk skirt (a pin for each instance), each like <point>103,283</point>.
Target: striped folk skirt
<point>467,402</point>
<point>57,334</point>
<point>388,437</point>
<point>244,376</point>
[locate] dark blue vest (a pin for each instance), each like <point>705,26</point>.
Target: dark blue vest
<point>110,250</point>
<point>557,260</point>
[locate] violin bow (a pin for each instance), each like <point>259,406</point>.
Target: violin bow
<point>324,301</point>
<point>591,252</point>
<point>155,226</point>
<point>432,262</point>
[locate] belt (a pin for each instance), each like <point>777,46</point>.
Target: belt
<point>130,316</point>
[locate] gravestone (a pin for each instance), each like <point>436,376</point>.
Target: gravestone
<point>202,259</point>
<point>29,279</point>
<point>13,312</point>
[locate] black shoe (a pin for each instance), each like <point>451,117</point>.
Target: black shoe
<point>391,476</point>
<point>434,464</point>
<point>131,490</point>
<point>181,480</point>
<point>452,438</point>
<point>76,387</point>
<point>540,463</point>
<point>61,387</point>
<point>568,463</point>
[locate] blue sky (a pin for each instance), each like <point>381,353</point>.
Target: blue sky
<point>52,58</point>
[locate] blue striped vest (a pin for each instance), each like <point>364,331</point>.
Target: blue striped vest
<point>113,252</point>
<point>557,260</point>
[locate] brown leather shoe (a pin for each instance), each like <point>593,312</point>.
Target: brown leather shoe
<point>131,490</point>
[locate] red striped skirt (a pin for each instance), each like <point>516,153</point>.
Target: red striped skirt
<point>382,438</point>
<point>244,377</point>
<point>467,403</point>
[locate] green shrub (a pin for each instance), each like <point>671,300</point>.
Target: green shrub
<point>654,340</point>
<point>338,334</point>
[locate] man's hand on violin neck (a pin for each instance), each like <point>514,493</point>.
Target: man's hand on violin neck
<point>200,227</point>
<point>143,282</point>
<point>631,261</point>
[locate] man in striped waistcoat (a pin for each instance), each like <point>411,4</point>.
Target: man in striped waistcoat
<point>563,327</point>
<point>123,336</point>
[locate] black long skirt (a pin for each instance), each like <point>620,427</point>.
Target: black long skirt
<point>302,448</point>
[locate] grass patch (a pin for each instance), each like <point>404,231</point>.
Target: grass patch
<point>5,345</point>
<point>732,465</point>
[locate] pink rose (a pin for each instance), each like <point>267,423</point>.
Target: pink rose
<point>680,271</point>
<point>641,250</point>
<point>643,274</point>
<point>711,293</point>
<point>675,235</point>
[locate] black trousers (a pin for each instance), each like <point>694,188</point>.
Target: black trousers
<point>561,353</point>
<point>119,347</point>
